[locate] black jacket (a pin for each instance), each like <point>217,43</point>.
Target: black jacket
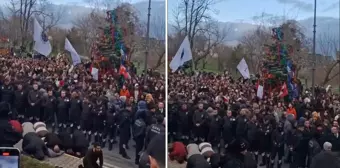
<point>79,140</point>
<point>51,140</point>
<point>197,161</point>
<point>139,128</point>
<point>32,144</point>
<point>7,94</point>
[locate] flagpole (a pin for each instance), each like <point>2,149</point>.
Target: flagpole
<point>147,44</point>
<point>193,69</point>
<point>314,56</point>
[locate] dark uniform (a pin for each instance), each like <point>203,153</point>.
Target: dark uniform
<point>50,108</point>
<point>34,101</point>
<point>241,127</point>
<point>265,141</point>
<point>297,146</point>
<point>86,123</point>
<point>253,138</point>
<point>215,129</point>
<point>111,126</point>
<point>75,112</point>
<point>20,104</point>
<point>99,124</point>
<point>124,131</point>
<point>228,134</point>
<point>184,125</point>
<point>199,125</point>
<point>278,141</point>
<point>139,132</point>
<point>7,94</point>
<point>153,130</point>
<point>63,104</point>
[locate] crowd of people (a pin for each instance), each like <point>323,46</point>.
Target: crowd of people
<point>216,121</point>
<point>79,109</point>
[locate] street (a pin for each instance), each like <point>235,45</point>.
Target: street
<point>112,159</point>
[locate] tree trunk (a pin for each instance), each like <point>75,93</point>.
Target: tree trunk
<point>328,73</point>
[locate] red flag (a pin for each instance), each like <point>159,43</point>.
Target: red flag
<point>122,71</point>
<point>283,91</point>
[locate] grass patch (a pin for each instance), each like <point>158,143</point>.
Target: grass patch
<point>28,162</point>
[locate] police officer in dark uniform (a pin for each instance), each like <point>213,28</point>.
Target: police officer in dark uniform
<point>229,126</point>
<point>139,131</point>
<point>295,143</point>
<point>20,102</point>
<point>265,139</point>
<point>239,157</point>
<point>50,108</point>
<point>154,130</point>
<point>34,101</point>
<point>100,111</point>
<point>63,104</point>
<point>124,129</point>
<point>184,124</point>
<point>86,123</point>
<point>75,111</point>
<point>253,137</point>
<point>278,141</point>
<point>111,125</point>
<point>215,124</point>
<point>199,122</point>
<point>241,124</point>
<point>7,92</point>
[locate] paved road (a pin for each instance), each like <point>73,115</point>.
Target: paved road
<point>112,159</point>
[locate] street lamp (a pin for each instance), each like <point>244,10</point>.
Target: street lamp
<point>314,56</point>
<point>147,44</point>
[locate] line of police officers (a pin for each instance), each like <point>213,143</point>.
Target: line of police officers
<point>298,141</point>
<point>94,114</point>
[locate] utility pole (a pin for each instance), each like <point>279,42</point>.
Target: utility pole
<point>314,56</point>
<point>147,45</point>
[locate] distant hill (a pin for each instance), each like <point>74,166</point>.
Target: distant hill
<point>325,25</point>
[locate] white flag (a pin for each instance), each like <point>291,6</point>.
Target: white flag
<point>260,91</point>
<point>75,57</point>
<point>41,43</point>
<point>243,68</point>
<point>183,55</point>
<point>94,73</point>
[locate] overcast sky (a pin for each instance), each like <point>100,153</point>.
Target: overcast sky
<point>245,10</point>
